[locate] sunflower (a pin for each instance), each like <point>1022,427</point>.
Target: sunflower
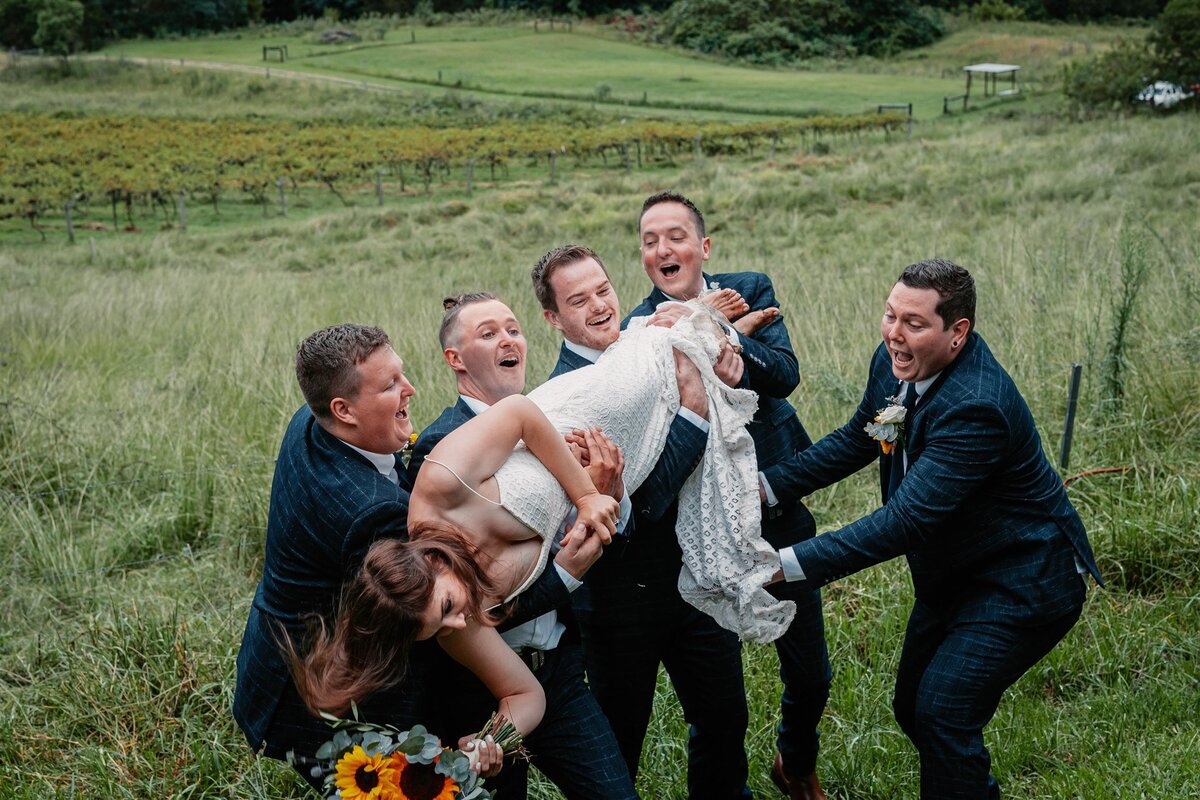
<point>363,776</point>
<point>420,782</point>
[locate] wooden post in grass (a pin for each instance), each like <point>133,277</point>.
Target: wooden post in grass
<point>182,206</point>
<point>67,209</point>
<point>92,248</point>
<point>279,182</point>
<point>553,166</point>
<point>470,176</point>
<point>637,141</point>
<point>625,157</point>
<point>699,150</point>
<point>1064,455</point>
<point>379,187</point>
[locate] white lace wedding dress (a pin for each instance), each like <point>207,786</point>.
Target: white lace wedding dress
<point>631,393</point>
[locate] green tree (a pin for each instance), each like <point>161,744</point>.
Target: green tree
<point>58,25</point>
<point>1176,41</point>
<point>1111,80</point>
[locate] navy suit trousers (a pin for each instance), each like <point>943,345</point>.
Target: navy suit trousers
<point>704,663</point>
<point>951,676</point>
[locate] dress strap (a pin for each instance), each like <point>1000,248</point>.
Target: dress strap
<point>466,485</point>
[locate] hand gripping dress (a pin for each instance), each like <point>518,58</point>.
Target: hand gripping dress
<point>632,394</point>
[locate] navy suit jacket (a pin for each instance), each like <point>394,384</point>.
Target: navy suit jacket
<point>548,592</point>
<point>981,515</point>
<point>772,371</point>
<point>649,557</point>
<point>328,504</point>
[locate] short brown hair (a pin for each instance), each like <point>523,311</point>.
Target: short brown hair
<point>453,307</point>
<point>673,197</point>
<point>544,269</point>
<point>327,363</point>
<point>954,285</point>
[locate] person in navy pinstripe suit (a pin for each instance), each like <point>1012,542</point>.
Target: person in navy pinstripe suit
<point>997,553</point>
<point>630,612</point>
<point>573,745</point>
<point>338,487</point>
<point>674,247</point>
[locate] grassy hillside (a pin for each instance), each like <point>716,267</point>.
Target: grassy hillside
<point>516,62</point>
<point>144,389</point>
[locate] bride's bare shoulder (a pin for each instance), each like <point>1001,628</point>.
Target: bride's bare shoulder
<point>436,484</point>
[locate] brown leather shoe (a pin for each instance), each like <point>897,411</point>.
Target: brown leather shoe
<point>796,788</point>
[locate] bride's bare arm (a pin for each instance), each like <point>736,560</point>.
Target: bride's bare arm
<point>476,449</point>
<point>481,650</point>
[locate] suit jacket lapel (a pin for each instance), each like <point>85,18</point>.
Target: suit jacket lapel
<point>464,409</point>
<point>927,398</point>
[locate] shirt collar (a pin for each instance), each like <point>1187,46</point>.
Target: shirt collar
<point>922,386</point>
<point>475,404</point>
<point>590,353</point>
<point>703,286</point>
<point>384,463</point>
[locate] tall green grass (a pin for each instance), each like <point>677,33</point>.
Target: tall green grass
<point>143,393</point>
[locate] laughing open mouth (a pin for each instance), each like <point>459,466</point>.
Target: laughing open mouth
<point>600,322</point>
<point>669,270</point>
<point>510,360</point>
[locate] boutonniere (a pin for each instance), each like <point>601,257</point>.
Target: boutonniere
<point>888,427</point>
<point>714,285</point>
<point>406,451</point>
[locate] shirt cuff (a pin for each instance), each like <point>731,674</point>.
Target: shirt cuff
<point>572,583</point>
<point>694,418</point>
<point>626,509</point>
<point>790,565</point>
<point>772,500</point>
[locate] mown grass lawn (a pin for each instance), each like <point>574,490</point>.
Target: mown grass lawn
<point>518,62</point>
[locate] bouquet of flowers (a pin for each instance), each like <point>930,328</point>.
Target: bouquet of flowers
<point>366,761</point>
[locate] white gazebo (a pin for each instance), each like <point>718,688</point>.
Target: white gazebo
<point>992,71</point>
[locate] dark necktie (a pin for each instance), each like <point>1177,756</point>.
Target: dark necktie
<point>896,472</point>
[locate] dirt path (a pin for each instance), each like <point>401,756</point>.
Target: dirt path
<point>262,72</point>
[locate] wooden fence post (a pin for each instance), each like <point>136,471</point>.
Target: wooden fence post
<point>279,182</point>
<point>1064,455</point>
<point>699,150</point>
<point>182,206</point>
<point>470,176</point>
<point>379,187</point>
<point>67,209</point>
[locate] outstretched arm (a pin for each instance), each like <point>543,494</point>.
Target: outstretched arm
<point>481,650</point>
<point>477,448</point>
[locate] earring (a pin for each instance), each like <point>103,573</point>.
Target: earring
<point>954,344</point>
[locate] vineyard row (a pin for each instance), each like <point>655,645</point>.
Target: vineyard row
<point>50,164</point>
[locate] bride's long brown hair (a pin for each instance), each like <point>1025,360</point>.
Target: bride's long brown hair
<point>378,617</point>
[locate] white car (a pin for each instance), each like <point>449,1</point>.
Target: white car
<point>1162,94</point>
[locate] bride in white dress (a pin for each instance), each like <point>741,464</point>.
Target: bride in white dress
<point>505,480</point>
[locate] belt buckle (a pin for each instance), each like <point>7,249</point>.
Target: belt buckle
<point>534,658</point>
